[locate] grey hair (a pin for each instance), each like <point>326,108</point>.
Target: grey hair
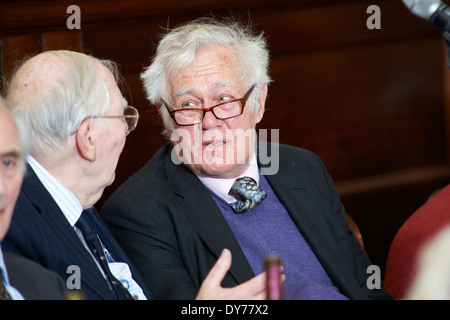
<point>56,110</point>
<point>179,47</point>
<point>24,135</point>
<point>25,141</point>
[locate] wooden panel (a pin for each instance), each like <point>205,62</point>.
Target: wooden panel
<point>26,16</point>
<point>349,106</point>
<point>374,104</point>
<point>300,28</point>
<point>380,213</point>
<point>14,49</point>
<point>62,40</point>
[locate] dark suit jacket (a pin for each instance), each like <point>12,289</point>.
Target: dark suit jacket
<point>40,232</point>
<point>171,228</point>
<point>32,280</point>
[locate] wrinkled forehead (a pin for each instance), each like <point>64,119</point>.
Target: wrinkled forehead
<point>219,64</point>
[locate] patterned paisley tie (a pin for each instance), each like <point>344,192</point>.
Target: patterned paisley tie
<point>247,193</point>
<point>4,295</point>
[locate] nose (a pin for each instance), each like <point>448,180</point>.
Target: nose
<point>210,121</point>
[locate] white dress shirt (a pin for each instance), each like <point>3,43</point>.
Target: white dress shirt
<point>221,187</point>
<point>72,210</point>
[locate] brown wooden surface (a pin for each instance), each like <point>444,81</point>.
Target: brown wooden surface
<point>373,104</point>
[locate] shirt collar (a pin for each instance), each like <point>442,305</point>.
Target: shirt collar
<point>221,187</point>
<point>66,200</point>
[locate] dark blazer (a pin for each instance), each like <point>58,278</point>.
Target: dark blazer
<point>40,232</point>
<point>169,225</point>
<point>32,280</point>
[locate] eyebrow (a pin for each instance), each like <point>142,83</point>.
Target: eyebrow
<point>182,91</point>
<point>217,84</point>
<point>15,154</point>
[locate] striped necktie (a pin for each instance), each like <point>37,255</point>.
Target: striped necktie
<point>4,294</point>
<point>247,193</point>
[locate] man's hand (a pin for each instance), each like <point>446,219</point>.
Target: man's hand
<point>253,289</point>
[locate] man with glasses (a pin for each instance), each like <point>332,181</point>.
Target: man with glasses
<point>205,191</point>
<point>79,122</point>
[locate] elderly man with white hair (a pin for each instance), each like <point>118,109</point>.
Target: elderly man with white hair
<point>79,121</point>
<point>209,189</point>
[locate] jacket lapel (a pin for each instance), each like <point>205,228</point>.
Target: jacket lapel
<point>112,245</point>
<point>206,218</point>
<point>65,236</point>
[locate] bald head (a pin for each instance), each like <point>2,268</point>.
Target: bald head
<point>34,76</point>
<point>54,91</point>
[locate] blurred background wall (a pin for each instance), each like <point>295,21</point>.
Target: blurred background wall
<point>372,103</point>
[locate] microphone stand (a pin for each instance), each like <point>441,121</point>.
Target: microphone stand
<point>446,36</point>
<point>441,19</point>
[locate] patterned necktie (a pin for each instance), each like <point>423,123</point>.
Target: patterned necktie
<point>93,241</point>
<point>4,294</point>
<point>247,193</point>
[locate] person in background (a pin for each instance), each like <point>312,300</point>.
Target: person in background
<point>209,188</point>
<point>431,280</point>
<point>20,278</point>
<point>403,257</point>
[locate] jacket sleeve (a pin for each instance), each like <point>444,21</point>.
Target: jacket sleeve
<point>148,236</point>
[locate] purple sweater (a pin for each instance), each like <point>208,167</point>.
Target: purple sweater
<point>268,229</point>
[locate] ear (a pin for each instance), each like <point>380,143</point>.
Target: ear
<point>85,141</point>
<point>262,87</point>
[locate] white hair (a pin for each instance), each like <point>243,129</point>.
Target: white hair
<point>59,102</point>
<point>24,135</point>
<point>179,47</point>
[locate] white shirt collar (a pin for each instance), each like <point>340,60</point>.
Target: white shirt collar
<point>66,200</point>
<point>221,187</point>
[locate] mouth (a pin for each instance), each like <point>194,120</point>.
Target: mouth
<point>213,143</point>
